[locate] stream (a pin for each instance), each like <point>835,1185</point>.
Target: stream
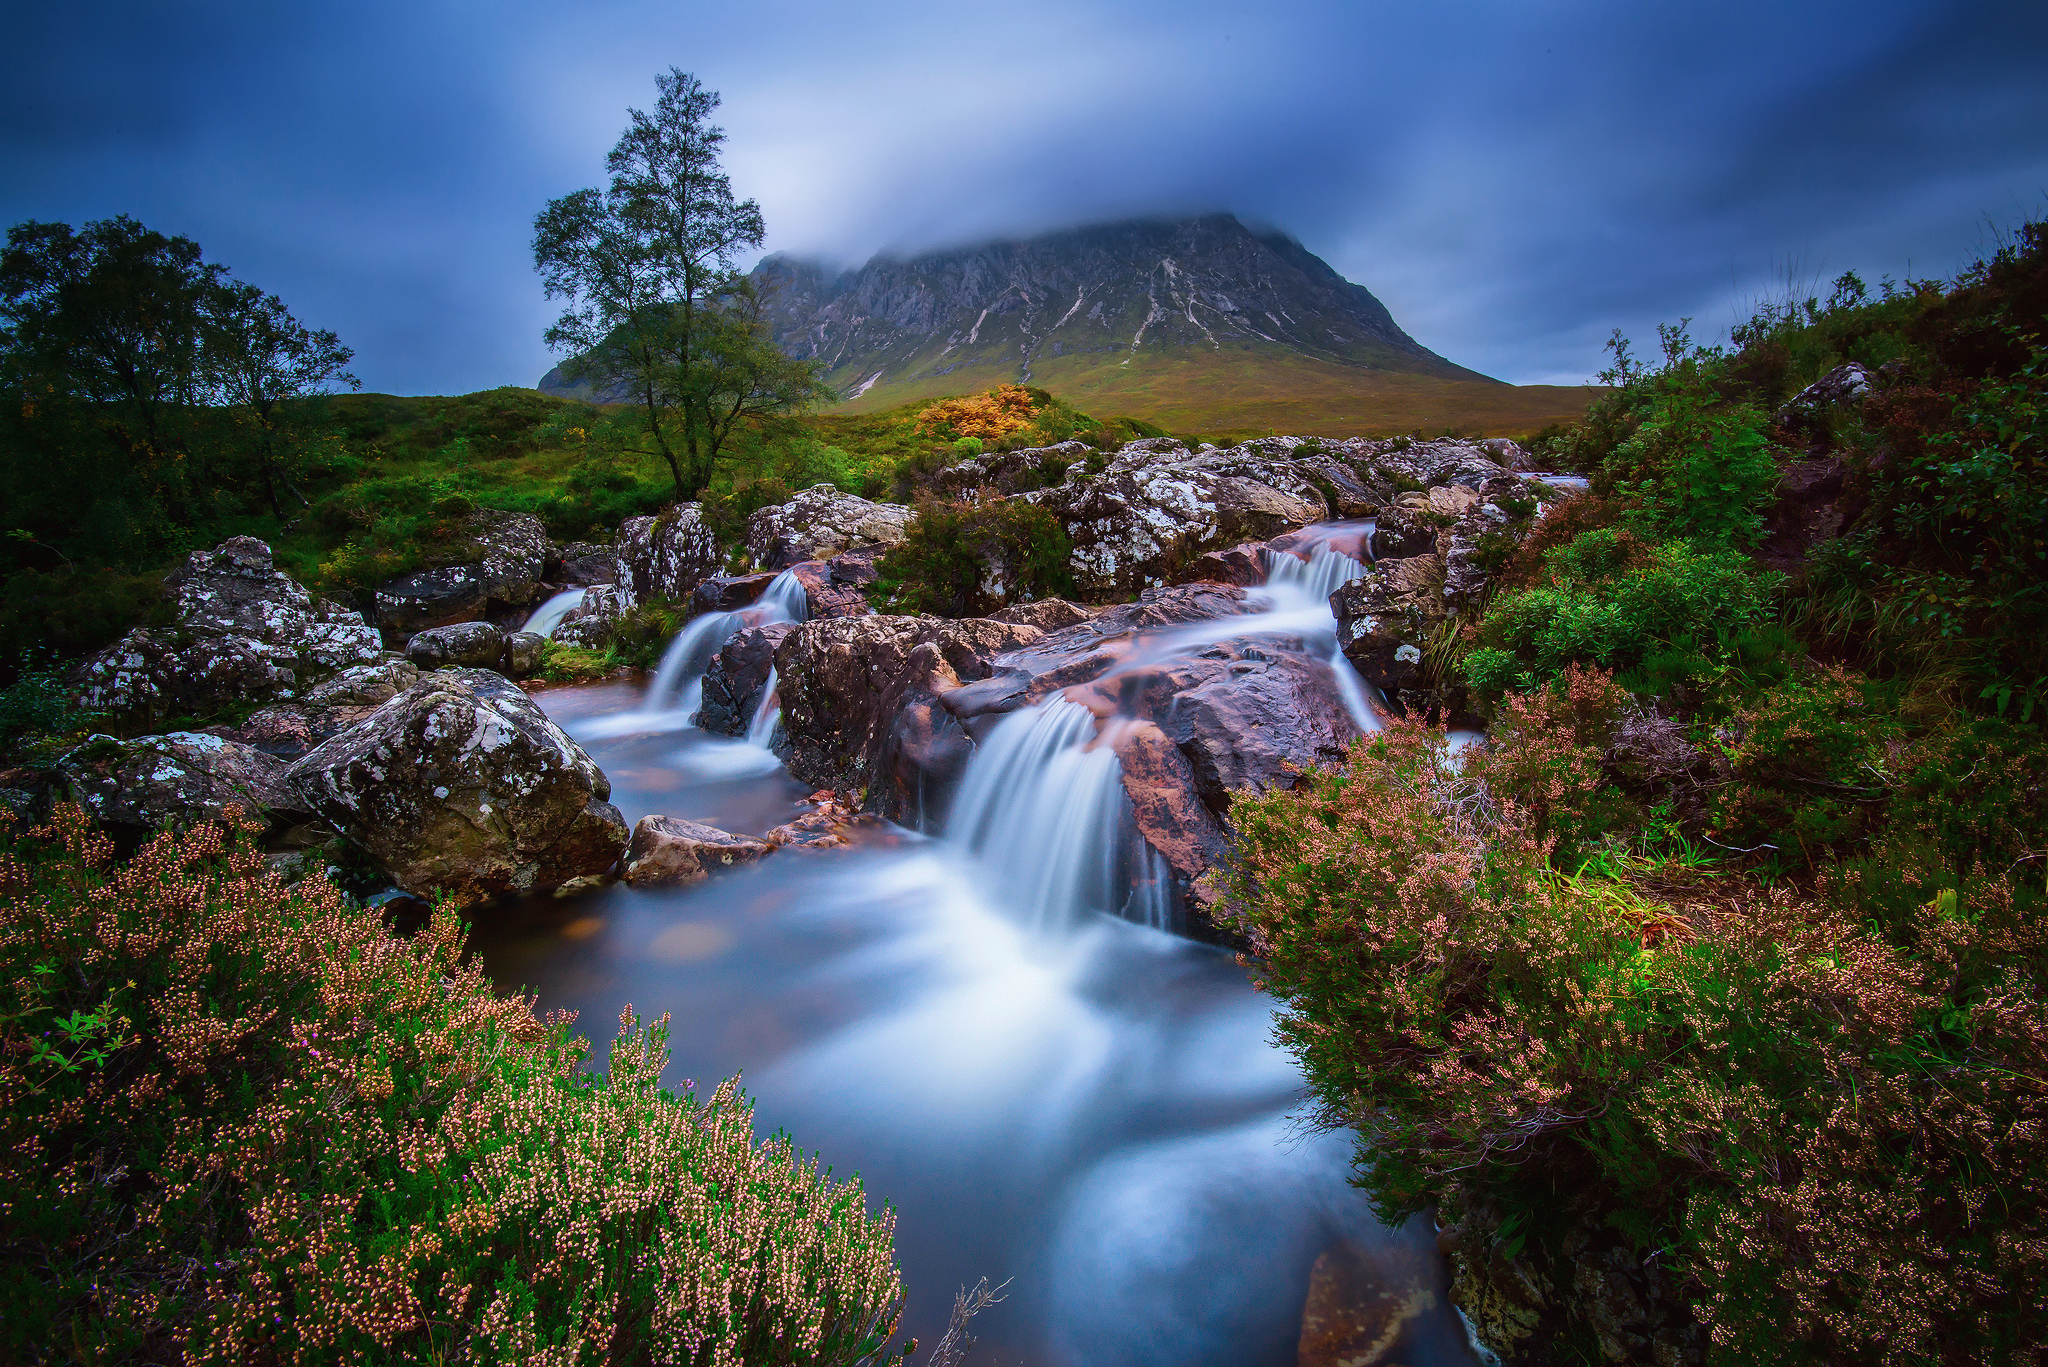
<point>994,1030</point>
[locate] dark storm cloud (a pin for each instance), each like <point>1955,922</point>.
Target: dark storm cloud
<point>1513,179</point>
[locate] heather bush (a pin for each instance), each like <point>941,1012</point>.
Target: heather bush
<point>245,1123</point>
<point>1829,1130</point>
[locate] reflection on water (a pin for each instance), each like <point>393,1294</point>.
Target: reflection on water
<point>1098,1114</point>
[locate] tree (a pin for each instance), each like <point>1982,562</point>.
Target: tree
<point>108,315</point>
<point>258,361</point>
<point>656,306</point>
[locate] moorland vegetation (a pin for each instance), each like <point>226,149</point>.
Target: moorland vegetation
<point>1707,1001</point>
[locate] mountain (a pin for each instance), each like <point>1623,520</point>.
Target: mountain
<point>1202,324</point>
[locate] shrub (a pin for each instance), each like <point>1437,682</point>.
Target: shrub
<point>968,559</point>
<point>1612,600</point>
<point>1832,1139</point>
<point>245,1123</point>
<point>1006,408</point>
<point>727,514</point>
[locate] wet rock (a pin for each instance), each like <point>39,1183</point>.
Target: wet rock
<point>523,651</point>
<point>832,588</point>
<point>820,523</point>
<point>245,632</point>
<point>1243,565</point>
<point>667,851</point>
<point>1404,528</point>
<point>1047,614</point>
<point>831,825</point>
<point>499,566</point>
<point>737,678</point>
<point>1360,1306</point>
<point>664,557</point>
<point>857,694</point>
<point>1386,620</point>
<point>177,779</point>
<point>462,785</point>
<point>592,623</point>
<point>729,592</point>
<point>465,645</point>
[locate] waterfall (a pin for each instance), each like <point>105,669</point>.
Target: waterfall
<point>767,716</point>
<point>678,684</point>
<point>1298,586</point>
<point>1316,578</point>
<point>1043,807</point>
<point>549,615</point>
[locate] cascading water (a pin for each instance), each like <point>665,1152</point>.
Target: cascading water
<point>1091,1108</point>
<point>678,684</point>
<point>1303,587</point>
<point>549,615</point>
<point>767,716</point>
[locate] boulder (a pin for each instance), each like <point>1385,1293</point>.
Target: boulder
<point>1047,614</point>
<point>592,623</point>
<point>177,779</point>
<point>729,592</point>
<point>857,693</point>
<point>819,523</point>
<point>1385,620</point>
<point>463,785</point>
<point>523,651</point>
<point>667,851</point>
<point>244,632</point>
<point>499,561</point>
<point>833,588</point>
<point>581,564</point>
<point>465,645</point>
<point>737,678</point>
<point>1244,566</point>
<point>1806,410</point>
<point>1156,508</point>
<point>665,557</point>
<point>1013,472</point>
<point>366,685</point>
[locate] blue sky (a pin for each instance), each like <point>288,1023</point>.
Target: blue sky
<point>1514,180</point>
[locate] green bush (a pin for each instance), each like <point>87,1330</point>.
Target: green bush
<point>726,514</point>
<point>969,559</point>
<point>244,1122</point>
<point>1611,600</point>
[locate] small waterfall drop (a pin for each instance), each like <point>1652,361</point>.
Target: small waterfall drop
<point>767,716</point>
<point>678,684</point>
<point>549,615</point>
<point>1298,585</point>
<point>1043,807</point>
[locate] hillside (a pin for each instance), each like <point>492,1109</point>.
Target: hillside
<point>1198,324</point>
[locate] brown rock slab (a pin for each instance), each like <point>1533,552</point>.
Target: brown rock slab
<point>667,851</point>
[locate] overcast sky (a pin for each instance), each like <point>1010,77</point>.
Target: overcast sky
<point>1513,180</point>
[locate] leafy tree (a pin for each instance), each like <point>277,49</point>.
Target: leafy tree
<point>657,307</point>
<point>258,361</point>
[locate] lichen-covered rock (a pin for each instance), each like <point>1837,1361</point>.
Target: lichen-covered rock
<point>523,651</point>
<point>1386,619</point>
<point>664,557</point>
<point>819,523</point>
<point>1244,566</point>
<point>366,685</point>
<point>1013,472</point>
<point>464,645</point>
<point>245,632</point>
<point>502,556</point>
<point>463,785</point>
<point>581,564</point>
<point>1156,508</point>
<point>1847,383</point>
<point>592,623</point>
<point>667,851</point>
<point>176,779</point>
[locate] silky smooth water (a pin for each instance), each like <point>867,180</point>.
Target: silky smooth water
<point>1047,1093</point>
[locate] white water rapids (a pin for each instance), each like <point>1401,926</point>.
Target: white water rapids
<point>1078,1101</point>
